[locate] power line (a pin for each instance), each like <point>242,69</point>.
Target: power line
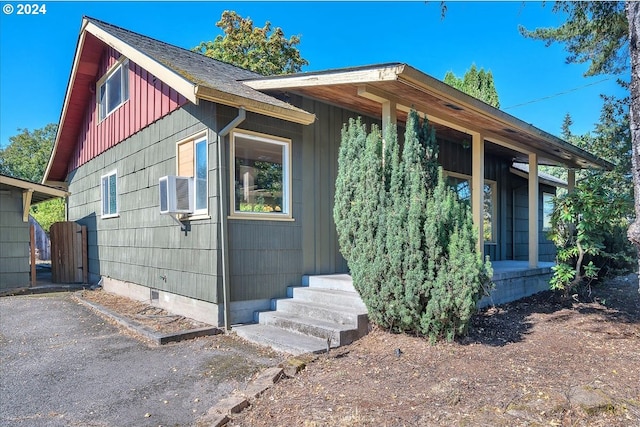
<point>557,94</point>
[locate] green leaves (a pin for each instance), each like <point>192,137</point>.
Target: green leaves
<point>594,32</point>
<point>26,157</point>
<point>27,154</point>
<point>263,50</point>
<point>409,243</point>
<point>478,84</point>
<point>587,229</point>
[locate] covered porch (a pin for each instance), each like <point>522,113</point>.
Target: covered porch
<point>516,279</point>
<point>387,92</point>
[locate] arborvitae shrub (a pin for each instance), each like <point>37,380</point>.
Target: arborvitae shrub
<point>410,244</point>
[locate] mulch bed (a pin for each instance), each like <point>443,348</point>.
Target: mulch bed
<point>154,318</point>
<point>539,361</point>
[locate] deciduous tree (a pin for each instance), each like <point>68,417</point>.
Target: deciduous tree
<point>28,152</point>
<point>26,157</point>
<point>264,50</point>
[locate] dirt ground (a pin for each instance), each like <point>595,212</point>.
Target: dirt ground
<point>154,318</point>
<point>540,361</point>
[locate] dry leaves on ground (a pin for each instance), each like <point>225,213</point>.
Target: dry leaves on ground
<point>539,361</point>
<point>143,313</point>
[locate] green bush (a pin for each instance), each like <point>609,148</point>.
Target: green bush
<point>588,227</point>
<point>410,244</point>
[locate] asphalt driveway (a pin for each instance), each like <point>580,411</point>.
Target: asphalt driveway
<point>63,365</point>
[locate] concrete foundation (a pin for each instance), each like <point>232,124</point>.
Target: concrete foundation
<point>201,311</point>
<point>515,279</point>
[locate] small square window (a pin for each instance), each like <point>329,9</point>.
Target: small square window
<point>113,89</point>
<point>260,170</point>
<point>109,191</point>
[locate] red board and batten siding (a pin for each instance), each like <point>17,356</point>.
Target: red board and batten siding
<point>149,100</point>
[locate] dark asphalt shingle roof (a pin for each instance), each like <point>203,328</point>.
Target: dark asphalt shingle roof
<point>195,67</point>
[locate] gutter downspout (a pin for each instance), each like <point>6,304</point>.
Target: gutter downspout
<point>242,114</point>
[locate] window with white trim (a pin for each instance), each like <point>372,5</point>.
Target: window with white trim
<point>109,193</point>
<point>113,89</point>
<point>461,185</point>
<point>547,210</point>
<point>192,162</point>
<point>260,175</point>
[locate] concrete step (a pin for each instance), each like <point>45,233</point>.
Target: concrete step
<point>337,333</point>
<point>329,297</point>
<point>280,339</point>
<point>344,315</point>
<point>341,282</point>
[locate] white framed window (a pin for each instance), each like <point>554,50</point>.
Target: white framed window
<point>113,89</point>
<point>260,176</point>
<point>461,184</point>
<point>193,161</point>
<point>109,194</point>
<point>547,210</point>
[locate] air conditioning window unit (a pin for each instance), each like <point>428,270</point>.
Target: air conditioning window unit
<point>176,194</point>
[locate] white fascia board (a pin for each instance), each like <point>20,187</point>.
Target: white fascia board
<point>387,73</point>
<point>183,86</point>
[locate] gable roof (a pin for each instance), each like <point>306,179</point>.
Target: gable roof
<point>192,75</point>
<point>364,88</point>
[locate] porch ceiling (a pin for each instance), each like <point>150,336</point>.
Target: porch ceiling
<point>453,113</point>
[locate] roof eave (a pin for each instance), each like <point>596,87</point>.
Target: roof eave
<point>233,100</point>
<point>67,96</point>
<point>182,85</point>
<point>371,74</point>
<point>442,89</point>
<point>33,186</point>
<point>408,75</point>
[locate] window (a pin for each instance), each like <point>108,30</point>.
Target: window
<point>109,192</point>
<point>461,184</point>
<point>192,162</point>
<point>113,89</point>
<point>260,175</point>
<point>547,210</point>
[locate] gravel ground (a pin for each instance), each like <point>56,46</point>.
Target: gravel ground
<point>62,364</point>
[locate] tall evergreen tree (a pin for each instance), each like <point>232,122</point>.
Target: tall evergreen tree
<point>566,127</point>
<point>478,84</point>
<point>409,243</point>
<point>606,35</point>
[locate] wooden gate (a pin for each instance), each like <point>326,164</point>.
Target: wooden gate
<point>68,253</point>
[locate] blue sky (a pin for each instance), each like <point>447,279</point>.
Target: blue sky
<point>36,51</point>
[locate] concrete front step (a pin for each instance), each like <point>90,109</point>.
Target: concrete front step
<point>280,339</point>
<point>341,282</point>
<point>342,315</point>
<point>326,308</point>
<point>337,333</point>
<point>330,297</point>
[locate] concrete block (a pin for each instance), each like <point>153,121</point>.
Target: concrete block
<point>230,405</point>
